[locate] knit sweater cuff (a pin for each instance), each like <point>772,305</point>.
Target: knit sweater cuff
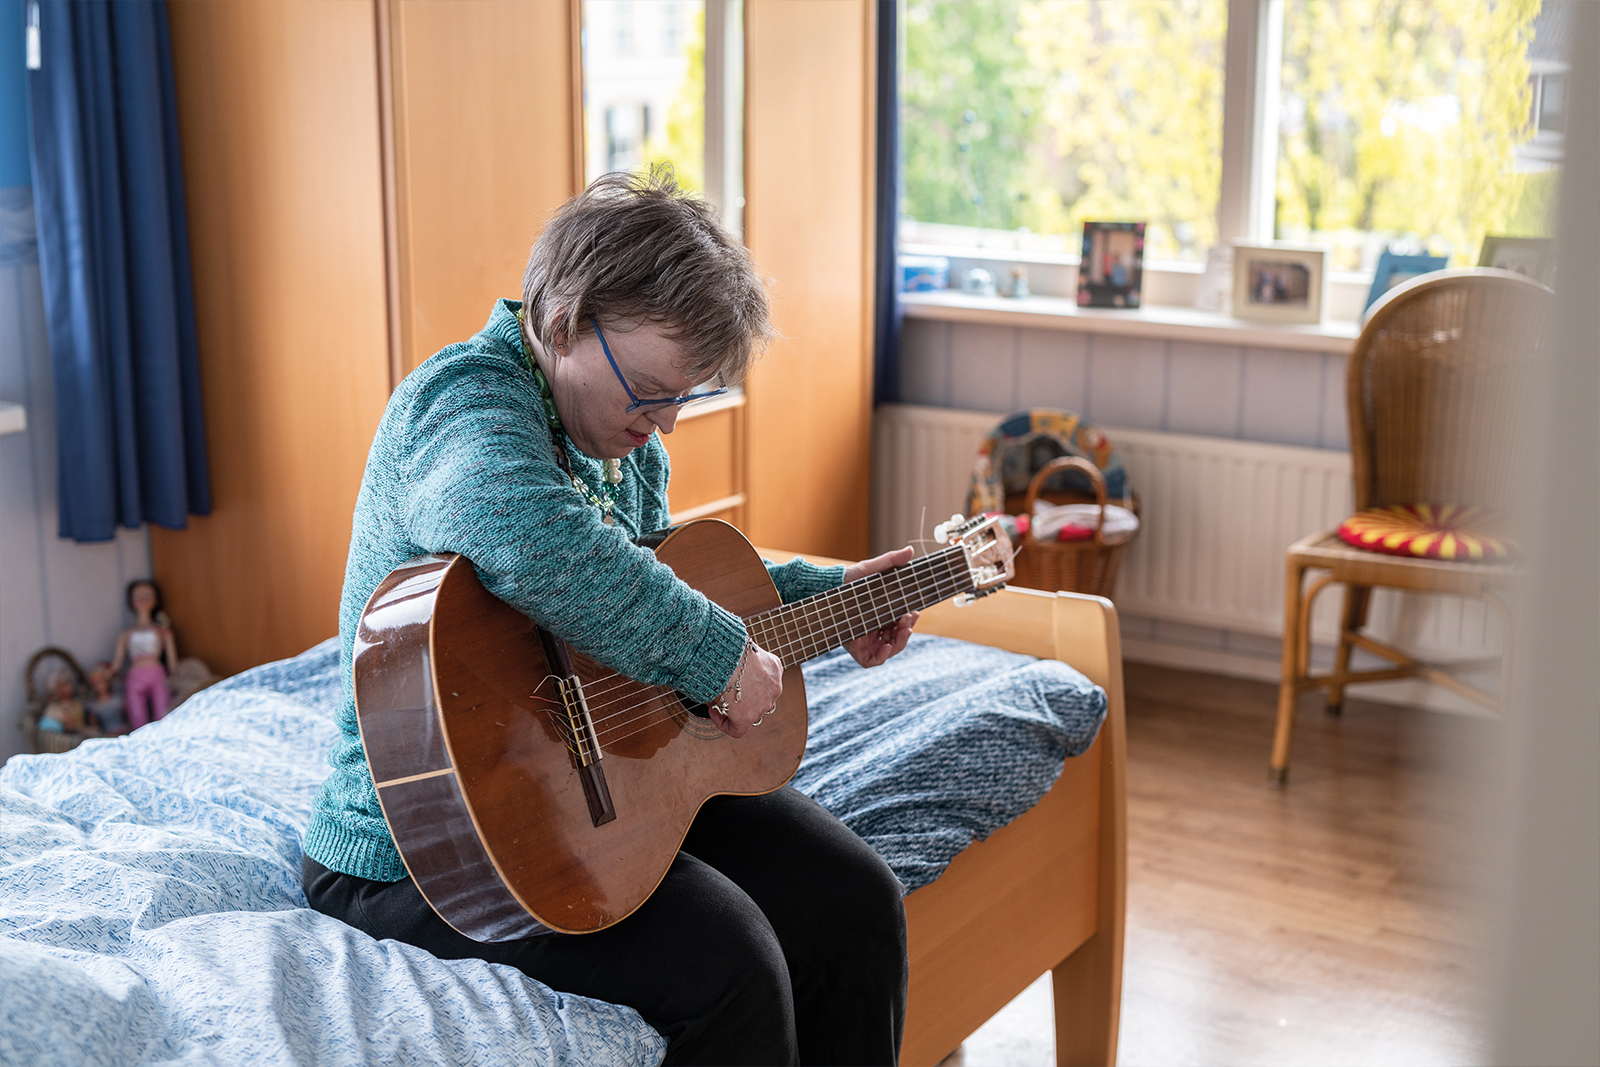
<point>800,578</point>
<point>717,657</point>
<point>375,859</point>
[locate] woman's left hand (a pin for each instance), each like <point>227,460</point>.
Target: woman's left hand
<point>872,649</point>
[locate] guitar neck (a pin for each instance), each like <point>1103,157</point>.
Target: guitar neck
<point>807,628</point>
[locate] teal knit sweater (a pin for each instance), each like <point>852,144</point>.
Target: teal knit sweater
<point>464,462</point>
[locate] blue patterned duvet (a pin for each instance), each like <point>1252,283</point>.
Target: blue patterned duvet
<point>150,903</point>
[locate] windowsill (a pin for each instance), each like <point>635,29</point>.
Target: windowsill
<point>1173,323</point>
<point>13,418</point>
<point>1167,283</point>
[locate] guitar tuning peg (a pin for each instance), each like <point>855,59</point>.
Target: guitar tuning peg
<point>942,532</point>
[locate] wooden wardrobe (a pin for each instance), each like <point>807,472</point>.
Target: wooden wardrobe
<point>365,177</point>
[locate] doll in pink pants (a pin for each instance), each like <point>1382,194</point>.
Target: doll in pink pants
<point>143,646</point>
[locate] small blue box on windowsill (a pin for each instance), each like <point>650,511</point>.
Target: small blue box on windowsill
<point>922,274</point>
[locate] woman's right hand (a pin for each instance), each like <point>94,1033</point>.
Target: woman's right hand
<point>758,691</point>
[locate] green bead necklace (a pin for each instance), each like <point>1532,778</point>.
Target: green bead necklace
<point>611,468</point>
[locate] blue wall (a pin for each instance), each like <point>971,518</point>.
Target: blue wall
<point>13,98</point>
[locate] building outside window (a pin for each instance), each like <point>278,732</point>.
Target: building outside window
<point>644,87</point>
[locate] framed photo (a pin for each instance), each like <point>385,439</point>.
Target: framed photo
<point>1396,270</point>
<point>1530,256</point>
<point>1112,268</point>
<point>1278,283</point>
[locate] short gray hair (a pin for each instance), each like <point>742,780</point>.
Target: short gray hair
<point>633,249</point>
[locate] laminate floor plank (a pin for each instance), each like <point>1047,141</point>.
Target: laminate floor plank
<point>1330,922</point>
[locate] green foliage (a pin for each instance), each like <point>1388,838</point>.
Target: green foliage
<point>1135,115</point>
<point>1400,116</point>
<point>1403,117</point>
<point>684,143</point>
<point>969,114</point>
<point>1046,113</point>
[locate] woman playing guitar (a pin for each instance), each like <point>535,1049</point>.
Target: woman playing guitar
<point>531,449</point>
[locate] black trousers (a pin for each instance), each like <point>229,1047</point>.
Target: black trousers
<point>777,937</point>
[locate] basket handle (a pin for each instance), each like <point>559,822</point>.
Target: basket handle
<point>1070,463</point>
<point>40,656</point>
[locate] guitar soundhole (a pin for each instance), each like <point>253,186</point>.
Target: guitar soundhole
<point>694,718</point>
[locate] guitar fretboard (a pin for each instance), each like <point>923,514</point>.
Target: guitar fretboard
<point>807,628</point>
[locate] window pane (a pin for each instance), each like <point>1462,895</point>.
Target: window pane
<point>1022,119</point>
<point>1402,119</point>
<point>644,86</point>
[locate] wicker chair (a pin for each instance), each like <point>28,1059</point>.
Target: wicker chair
<point>1434,389</point>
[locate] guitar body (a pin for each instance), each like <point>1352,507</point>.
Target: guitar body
<point>463,724</point>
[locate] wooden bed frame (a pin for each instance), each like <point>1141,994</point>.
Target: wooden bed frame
<point>1046,893</point>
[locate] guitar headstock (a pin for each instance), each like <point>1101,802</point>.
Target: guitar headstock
<point>988,550</point>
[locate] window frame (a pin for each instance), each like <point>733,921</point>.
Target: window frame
<point>1252,85</point>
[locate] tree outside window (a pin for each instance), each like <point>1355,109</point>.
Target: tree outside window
<point>1022,119</point>
<point>1401,120</point>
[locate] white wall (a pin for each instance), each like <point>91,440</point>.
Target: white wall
<point>52,591</point>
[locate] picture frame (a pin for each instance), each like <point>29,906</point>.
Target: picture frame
<point>1533,257</point>
<point>1111,270</point>
<point>1279,283</point>
<point>1393,270</point>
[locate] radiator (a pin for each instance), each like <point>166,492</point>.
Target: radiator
<point>1217,516</point>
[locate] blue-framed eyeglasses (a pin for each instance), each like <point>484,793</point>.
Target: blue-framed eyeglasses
<point>637,404</point>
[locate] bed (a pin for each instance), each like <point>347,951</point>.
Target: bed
<point>150,908</point>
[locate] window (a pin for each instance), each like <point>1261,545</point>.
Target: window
<point>1401,121</point>
<point>1354,123</point>
<point>1025,119</point>
<point>663,83</point>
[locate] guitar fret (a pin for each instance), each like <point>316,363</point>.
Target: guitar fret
<point>804,630</point>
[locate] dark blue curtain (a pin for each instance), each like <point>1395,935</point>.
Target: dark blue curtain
<point>114,263</point>
<point>886,355</point>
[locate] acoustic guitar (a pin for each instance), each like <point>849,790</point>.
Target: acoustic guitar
<point>530,788</point>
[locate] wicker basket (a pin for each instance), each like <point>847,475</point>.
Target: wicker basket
<point>1075,566</point>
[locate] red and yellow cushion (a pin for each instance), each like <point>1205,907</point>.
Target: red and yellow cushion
<point>1455,532</point>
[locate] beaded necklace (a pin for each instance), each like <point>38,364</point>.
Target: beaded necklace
<point>611,468</point>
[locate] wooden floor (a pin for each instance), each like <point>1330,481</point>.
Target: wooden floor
<point>1328,922</point>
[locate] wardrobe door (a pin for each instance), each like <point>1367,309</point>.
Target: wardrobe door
<point>809,155</point>
<point>484,118</point>
<point>277,108</point>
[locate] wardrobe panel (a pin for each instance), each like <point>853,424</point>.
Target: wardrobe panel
<point>278,107</point>
<point>485,150</point>
<point>808,221</point>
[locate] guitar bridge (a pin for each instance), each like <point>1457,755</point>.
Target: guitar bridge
<point>585,745</point>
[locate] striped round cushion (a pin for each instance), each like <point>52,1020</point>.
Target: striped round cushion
<point>1454,532</point>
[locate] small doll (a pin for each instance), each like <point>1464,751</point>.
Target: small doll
<point>64,713</point>
<point>105,707</point>
<point>143,645</point>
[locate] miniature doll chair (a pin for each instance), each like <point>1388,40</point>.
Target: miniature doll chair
<point>1433,391</point>
<point>1060,459</point>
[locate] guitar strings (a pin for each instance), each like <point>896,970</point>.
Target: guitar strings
<point>613,732</point>
<point>923,581</point>
<point>843,622</point>
<point>832,616</point>
<point>932,586</point>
